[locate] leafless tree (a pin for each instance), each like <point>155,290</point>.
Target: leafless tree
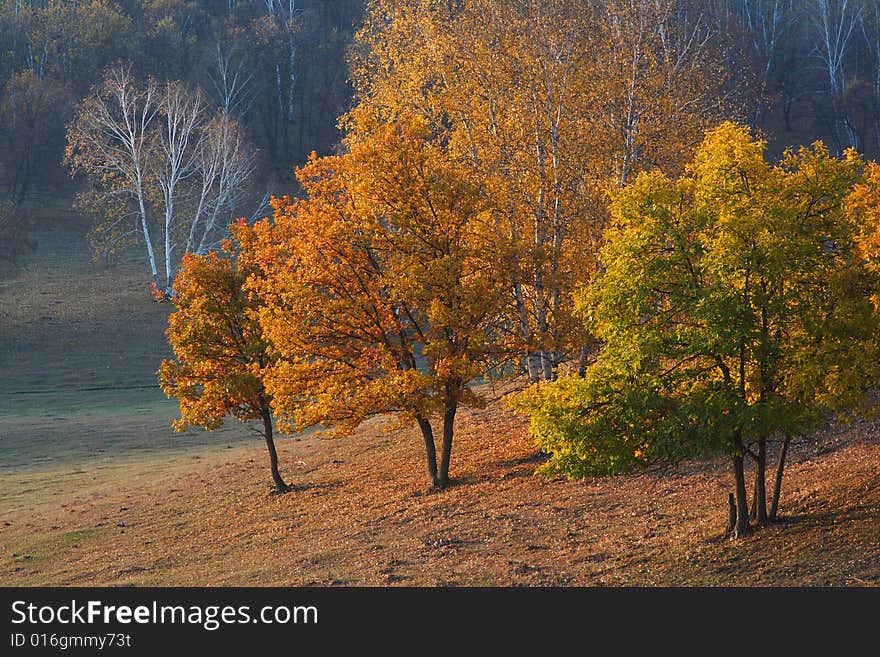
<point>284,15</point>
<point>834,22</point>
<point>232,81</point>
<point>158,154</point>
<point>870,28</point>
<point>177,157</point>
<point>110,141</point>
<point>765,22</point>
<point>226,162</point>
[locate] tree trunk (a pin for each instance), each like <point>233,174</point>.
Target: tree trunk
<point>777,484</point>
<point>742,505</point>
<point>731,514</point>
<point>430,449</point>
<point>533,359</point>
<point>759,500</point>
<point>583,359</point>
<point>280,485</point>
<point>533,362</point>
<point>547,365</point>
<point>292,79</point>
<point>146,230</point>
<point>448,427</point>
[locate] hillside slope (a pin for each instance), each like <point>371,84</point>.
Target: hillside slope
<point>361,515</point>
<point>95,489</point>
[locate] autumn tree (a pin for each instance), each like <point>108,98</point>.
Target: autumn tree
<point>733,307</point>
<point>553,105</point>
<point>864,204</point>
<point>381,289</point>
<point>220,357</point>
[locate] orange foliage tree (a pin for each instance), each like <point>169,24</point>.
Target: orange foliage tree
<point>553,105</point>
<point>381,289</point>
<point>219,354</point>
<point>864,203</point>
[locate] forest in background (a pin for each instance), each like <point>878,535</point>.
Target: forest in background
<point>813,67</point>
<point>278,65</point>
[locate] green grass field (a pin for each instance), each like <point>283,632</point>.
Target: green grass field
<point>80,343</point>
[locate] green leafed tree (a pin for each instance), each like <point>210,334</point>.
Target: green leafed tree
<point>733,309</point>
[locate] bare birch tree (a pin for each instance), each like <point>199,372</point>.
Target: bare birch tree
<point>110,141</point>
<point>177,156</point>
<point>231,80</point>
<point>834,22</point>
<point>156,154</point>
<point>226,162</point>
<point>283,14</point>
<point>870,28</point>
<point>765,23</point>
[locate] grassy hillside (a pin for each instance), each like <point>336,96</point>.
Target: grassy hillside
<point>80,343</point>
<point>95,489</point>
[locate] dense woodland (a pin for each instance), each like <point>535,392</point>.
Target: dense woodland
<point>282,65</point>
<point>811,68</point>
<point>578,192</point>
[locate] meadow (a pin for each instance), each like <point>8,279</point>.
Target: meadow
<point>96,489</point>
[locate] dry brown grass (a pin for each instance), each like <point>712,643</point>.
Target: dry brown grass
<point>96,490</point>
<point>362,515</point>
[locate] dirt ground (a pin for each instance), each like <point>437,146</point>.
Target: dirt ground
<point>95,489</point>
<point>361,514</point>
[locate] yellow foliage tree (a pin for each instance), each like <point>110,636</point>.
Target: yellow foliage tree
<point>734,306</point>
<point>553,105</point>
<point>381,289</point>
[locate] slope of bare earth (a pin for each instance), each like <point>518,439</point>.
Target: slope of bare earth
<point>96,490</point>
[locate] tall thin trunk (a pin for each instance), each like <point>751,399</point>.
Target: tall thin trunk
<point>448,427</point>
<point>169,211</point>
<point>278,90</point>
<point>759,499</point>
<point>533,364</point>
<point>583,357</point>
<point>777,484</point>
<point>533,359</point>
<point>291,9</point>
<point>197,215</point>
<point>292,80</point>
<point>835,126</point>
<point>147,238</point>
<point>280,484</point>
<point>540,239</point>
<point>876,117</point>
<point>742,503</point>
<point>430,449</point>
<point>731,513</point>
<point>547,364</point>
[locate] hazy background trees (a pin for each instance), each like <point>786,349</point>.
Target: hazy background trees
<point>279,65</point>
<point>280,68</point>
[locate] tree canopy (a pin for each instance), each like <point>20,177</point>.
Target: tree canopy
<point>733,304</point>
<point>220,356</point>
<point>382,288</point>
